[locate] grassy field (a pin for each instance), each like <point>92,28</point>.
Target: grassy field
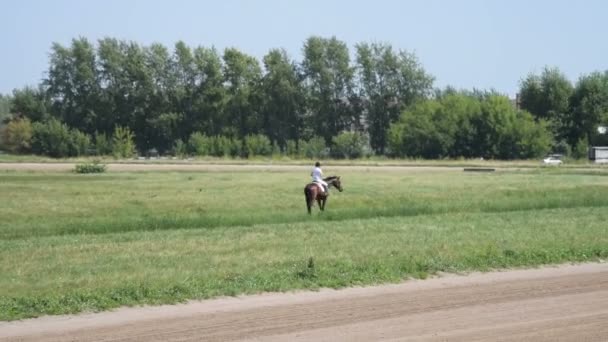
<point>284,160</point>
<point>72,243</point>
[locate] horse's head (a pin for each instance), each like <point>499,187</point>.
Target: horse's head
<point>335,181</point>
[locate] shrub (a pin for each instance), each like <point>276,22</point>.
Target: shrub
<point>257,145</point>
<point>79,143</point>
<point>123,144</point>
<point>236,147</point>
<point>200,144</point>
<point>562,147</point>
<point>180,149</point>
<point>17,136</point>
<point>103,145</point>
<point>94,167</point>
<point>350,145</point>
<point>313,148</point>
<point>276,150</point>
<point>51,138</point>
<point>580,150</point>
<point>221,146</point>
<point>291,148</point>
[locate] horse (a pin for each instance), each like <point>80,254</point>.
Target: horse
<point>313,192</point>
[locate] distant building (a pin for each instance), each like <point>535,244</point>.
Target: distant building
<point>598,154</point>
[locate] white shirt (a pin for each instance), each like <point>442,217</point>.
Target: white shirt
<point>317,174</point>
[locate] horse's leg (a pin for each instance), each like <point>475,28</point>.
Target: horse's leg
<point>324,200</point>
<point>308,199</point>
<point>320,202</point>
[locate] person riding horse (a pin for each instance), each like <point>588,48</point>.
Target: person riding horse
<point>318,189</point>
<point>317,177</point>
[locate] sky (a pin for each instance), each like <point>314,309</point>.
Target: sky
<point>467,44</point>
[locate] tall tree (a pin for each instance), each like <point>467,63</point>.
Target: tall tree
<point>5,110</point>
<point>390,82</point>
<point>283,98</point>
<point>30,103</point>
<point>589,108</point>
<point>210,96</point>
<point>157,123</point>
<point>73,84</point>
<point>115,84</point>
<point>242,75</point>
<point>329,82</point>
<point>5,105</point>
<point>546,96</point>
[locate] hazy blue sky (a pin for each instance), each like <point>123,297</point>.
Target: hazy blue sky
<point>466,43</point>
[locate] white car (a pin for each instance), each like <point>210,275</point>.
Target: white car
<point>552,160</point>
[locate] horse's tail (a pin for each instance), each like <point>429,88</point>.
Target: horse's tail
<point>307,196</point>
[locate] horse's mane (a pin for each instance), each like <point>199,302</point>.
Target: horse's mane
<point>330,178</point>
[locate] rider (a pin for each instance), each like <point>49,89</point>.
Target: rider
<point>317,177</point>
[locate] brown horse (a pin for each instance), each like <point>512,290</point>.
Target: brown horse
<point>313,192</point>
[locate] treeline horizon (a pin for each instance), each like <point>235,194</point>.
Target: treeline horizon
<point>119,97</point>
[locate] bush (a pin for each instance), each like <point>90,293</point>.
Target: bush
<point>276,150</point>
<point>180,149</point>
<point>580,150</point>
<point>51,138</point>
<point>94,167</point>
<point>55,139</point>
<point>533,139</point>
<point>79,143</point>
<point>313,148</point>
<point>562,147</point>
<point>236,147</point>
<point>291,148</point>
<point>123,144</point>
<point>350,145</point>
<point>221,146</point>
<point>17,136</point>
<point>257,145</point>
<point>200,144</point>
<point>103,145</point>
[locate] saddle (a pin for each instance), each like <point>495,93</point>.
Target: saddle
<point>321,187</point>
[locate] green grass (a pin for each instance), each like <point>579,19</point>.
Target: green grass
<point>72,243</point>
<point>284,160</point>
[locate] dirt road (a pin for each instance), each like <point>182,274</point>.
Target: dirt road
<point>567,303</point>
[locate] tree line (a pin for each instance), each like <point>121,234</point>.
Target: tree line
<point>118,97</point>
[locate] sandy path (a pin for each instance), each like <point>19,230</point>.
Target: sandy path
<point>567,303</point>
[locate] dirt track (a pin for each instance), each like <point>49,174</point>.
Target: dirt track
<point>568,303</point>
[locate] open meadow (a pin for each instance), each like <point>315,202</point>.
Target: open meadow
<point>72,243</point>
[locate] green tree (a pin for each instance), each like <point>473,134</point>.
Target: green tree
<point>123,142</point>
<point>581,149</point>
<point>350,145</point>
<point>51,138</point>
<point>73,84</point>
<point>17,136</point>
<point>546,95</point>
<point>5,108</point>
<point>417,134</point>
<point>469,126</point>
<point>257,145</point>
<point>390,82</point>
<point>283,98</point>
<point>329,83</point>
<point>209,97</point>
<point>31,103</point>
<point>242,75</point>
<point>589,108</point>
